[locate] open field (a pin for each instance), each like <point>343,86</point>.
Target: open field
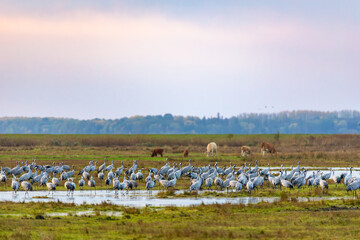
<point>285,220</point>
<point>337,219</point>
<point>310,150</point>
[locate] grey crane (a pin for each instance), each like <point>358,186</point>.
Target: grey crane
<point>218,182</point>
<point>286,184</point>
<point>139,176</point>
<point>110,175</point>
<point>101,176</point>
<point>326,176</point>
<point>238,186</point>
<point>348,177</point>
<point>126,183</point>
<point>66,167</point>
<point>299,182</point>
<point>186,169</point>
<point>132,169</point>
<point>86,175</point>
<point>336,179</point>
<point>51,187</point>
<point>3,176</point>
<point>265,171</point>
<point>25,176</point>
<point>49,168</point>
<point>249,186</point>
<point>82,183</point>
<point>258,180</point>
<point>276,180</point>
<point>92,168</point>
<point>27,187</point>
<point>15,184</point>
<point>102,167</point>
<point>15,169</point>
<point>323,184</point>
<point>63,176</point>
<point>108,181</point>
<point>242,178</point>
<point>229,169</point>
<point>91,184</point>
<point>44,179</point>
<point>166,184</point>
<point>133,184</point>
<point>34,174</point>
<point>116,184</point>
<point>226,184</point>
<point>88,167</point>
<point>196,185</point>
<point>209,182</point>
<point>70,187</point>
<point>178,172</point>
<point>153,170</point>
<point>164,169</point>
<point>6,170</point>
<point>71,173</point>
<point>148,178</point>
<point>110,167</point>
<point>122,185</point>
<point>58,169</point>
<point>133,176</point>
<point>119,171</point>
<point>171,176</point>
<point>255,169</point>
<point>149,185</point>
<point>55,180</point>
<point>233,183</point>
<point>353,187</point>
<point>231,175</point>
<point>37,178</point>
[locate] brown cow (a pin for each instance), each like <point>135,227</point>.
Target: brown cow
<point>267,147</point>
<point>186,153</point>
<point>157,151</point>
<point>245,150</point>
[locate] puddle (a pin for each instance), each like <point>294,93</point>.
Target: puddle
<point>84,213</point>
<point>140,198</point>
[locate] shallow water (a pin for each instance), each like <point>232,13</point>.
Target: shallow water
<point>139,198</point>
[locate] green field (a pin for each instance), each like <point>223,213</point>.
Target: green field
<point>286,219</point>
<point>281,220</point>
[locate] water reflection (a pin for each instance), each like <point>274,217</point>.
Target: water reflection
<point>139,198</point>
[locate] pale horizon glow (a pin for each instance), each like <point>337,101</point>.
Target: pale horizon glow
<point>88,60</point>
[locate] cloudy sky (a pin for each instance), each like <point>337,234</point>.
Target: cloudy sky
<point>110,59</point>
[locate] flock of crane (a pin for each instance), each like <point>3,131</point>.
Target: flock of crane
<point>245,177</point>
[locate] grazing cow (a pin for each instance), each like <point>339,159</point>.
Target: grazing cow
<point>267,147</point>
<point>157,151</point>
<point>211,149</point>
<point>245,150</point>
<point>186,153</point>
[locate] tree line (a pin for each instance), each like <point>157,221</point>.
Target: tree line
<point>288,122</point>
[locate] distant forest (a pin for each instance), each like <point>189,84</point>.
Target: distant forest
<point>290,122</point>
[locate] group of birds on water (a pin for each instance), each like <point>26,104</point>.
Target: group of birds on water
<point>245,177</point>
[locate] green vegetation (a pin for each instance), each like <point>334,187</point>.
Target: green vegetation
<point>283,220</point>
<point>286,219</point>
<point>343,122</point>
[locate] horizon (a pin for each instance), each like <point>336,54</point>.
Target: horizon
<point>194,116</point>
<point>109,60</point>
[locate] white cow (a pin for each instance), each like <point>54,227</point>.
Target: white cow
<point>211,149</point>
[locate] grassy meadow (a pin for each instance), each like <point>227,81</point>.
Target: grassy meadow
<point>286,219</point>
<point>280,220</point>
<point>310,150</point>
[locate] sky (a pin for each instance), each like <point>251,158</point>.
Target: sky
<point>112,59</point>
